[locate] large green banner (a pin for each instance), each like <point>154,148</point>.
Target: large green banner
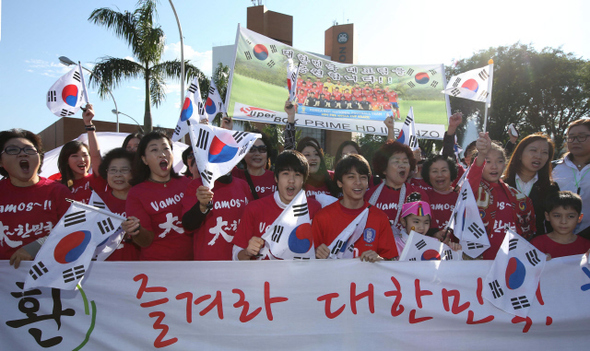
<point>333,95</point>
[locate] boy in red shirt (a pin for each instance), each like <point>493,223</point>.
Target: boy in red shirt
<point>376,242</point>
<point>291,172</point>
<point>563,212</point>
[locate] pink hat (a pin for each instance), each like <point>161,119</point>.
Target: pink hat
<point>418,208</point>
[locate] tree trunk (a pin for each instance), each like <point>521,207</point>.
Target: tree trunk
<point>147,118</point>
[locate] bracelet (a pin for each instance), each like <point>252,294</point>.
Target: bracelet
<point>91,128</point>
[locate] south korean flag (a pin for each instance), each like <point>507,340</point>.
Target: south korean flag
<point>110,244</point>
<point>408,135</point>
<point>65,96</point>
<point>193,109</point>
<point>473,85</point>
<point>65,256</point>
<point>467,224</point>
<point>424,248</point>
<point>214,103</point>
<point>290,237</point>
<point>218,150</point>
<point>513,279</point>
<point>343,245</point>
<point>292,74</point>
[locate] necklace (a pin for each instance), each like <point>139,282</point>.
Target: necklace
<point>159,182</point>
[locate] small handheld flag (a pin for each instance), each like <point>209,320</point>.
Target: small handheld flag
<point>425,248</point>
<point>214,103</point>
<point>408,135</point>
<point>64,98</point>
<point>343,245</point>
<point>290,237</point>
<point>193,109</point>
<point>474,85</point>
<point>218,150</point>
<point>66,254</point>
<point>513,279</point>
<point>292,75</point>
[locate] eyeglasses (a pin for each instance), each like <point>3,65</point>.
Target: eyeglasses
<point>115,171</point>
<point>261,149</point>
<point>15,150</point>
<point>581,138</point>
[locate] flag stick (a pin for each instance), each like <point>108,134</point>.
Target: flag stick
<point>83,82</point>
<point>95,209</point>
<point>488,100</point>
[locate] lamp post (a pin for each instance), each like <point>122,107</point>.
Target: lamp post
<point>124,114</point>
<point>67,62</point>
<point>181,56</point>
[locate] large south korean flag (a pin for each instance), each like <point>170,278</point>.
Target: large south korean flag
<point>64,98</point>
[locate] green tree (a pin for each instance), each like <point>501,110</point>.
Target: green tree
<point>537,91</point>
<point>146,40</point>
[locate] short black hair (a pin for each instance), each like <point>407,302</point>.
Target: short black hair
<point>432,159</point>
<point>292,160</point>
<point>25,134</point>
<point>119,152</point>
<point>565,199</point>
<point>347,163</point>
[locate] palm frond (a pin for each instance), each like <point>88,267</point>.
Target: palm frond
<point>123,24</point>
<point>112,71</point>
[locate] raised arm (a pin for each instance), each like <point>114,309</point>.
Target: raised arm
<point>94,149</point>
<point>289,132</point>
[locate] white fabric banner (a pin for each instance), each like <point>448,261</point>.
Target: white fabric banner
<point>292,305</point>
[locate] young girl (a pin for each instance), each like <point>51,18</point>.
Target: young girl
<point>500,205</point>
<point>393,162</point>
<point>529,170</point>
<point>257,173</point>
<point>31,205</point>
<point>131,142</point>
<point>116,169</point>
<point>154,204</point>
<point>320,179</point>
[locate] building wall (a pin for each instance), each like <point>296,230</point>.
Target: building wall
<point>272,24</point>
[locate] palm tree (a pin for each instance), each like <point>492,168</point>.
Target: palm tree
<point>146,40</point>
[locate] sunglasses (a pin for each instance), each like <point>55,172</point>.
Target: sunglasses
<point>261,149</point>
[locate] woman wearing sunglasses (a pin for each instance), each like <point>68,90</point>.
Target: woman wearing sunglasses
<point>256,170</point>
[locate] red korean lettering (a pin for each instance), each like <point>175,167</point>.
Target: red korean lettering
<point>143,288</point>
<point>456,295</point>
<point>471,318</point>
<point>215,303</point>
<point>396,308</point>
<point>328,305</point>
<point>244,316</point>
<point>189,308</point>
<point>369,294</point>
<point>528,322</point>
<point>419,294</point>
<point>268,301</point>
<point>160,342</point>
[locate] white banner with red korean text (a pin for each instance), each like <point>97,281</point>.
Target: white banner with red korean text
<point>292,305</point>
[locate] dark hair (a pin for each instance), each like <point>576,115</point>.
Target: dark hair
<point>471,149</point>
<point>322,175</point>
<point>344,144</point>
<point>565,199</point>
<point>515,164</point>
<point>585,122</point>
<point>128,138</point>
<point>6,135</point>
<point>69,148</point>
<point>434,158</point>
<point>185,154</point>
<point>381,158</point>
<point>270,150</point>
<point>141,171</point>
<point>291,160</point>
<point>116,153</point>
<point>345,165</point>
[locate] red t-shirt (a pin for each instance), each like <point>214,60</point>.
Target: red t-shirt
<point>555,249</point>
<point>82,188</point>
<point>127,250</point>
<point>330,221</point>
<point>265,185</point>
<point>420,183</point>
<point>29,213</point>
<point>261,214</point>
<point>496,223</point>
<point>441,206</point>
<point>213,240</point>
<point>389,199</point>
<point>159,209</point>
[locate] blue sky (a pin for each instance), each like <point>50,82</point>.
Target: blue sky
<point>34,33</point>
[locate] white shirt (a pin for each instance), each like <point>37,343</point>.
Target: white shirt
<point>568,177</point>
<point>525,187</point>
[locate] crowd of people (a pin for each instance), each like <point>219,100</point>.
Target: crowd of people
<point>175,217</point>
